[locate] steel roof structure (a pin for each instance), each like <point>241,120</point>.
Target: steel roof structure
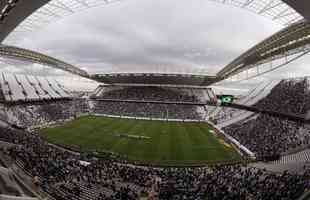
<point>301,6</point>
<point>155,79</point>
<point>36,57</point>
<point>287,43</point>
<point>276,10</point>
<point>21,16</point>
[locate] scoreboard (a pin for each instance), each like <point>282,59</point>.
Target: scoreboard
<point>226,99</point>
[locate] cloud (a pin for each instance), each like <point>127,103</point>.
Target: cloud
<point>157,36</point>
<point>166,36</point>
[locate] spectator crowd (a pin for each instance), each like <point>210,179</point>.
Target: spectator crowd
<point>64,175</point>
<point>149,110</point>
<point>271,136</point>
<point>40,113</point>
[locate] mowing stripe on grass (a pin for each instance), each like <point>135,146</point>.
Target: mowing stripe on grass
<point>169,143</point>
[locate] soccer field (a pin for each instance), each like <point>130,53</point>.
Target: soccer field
<point>156,142</point>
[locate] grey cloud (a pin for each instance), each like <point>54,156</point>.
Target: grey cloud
<point>158,35</point>
<point>153,35</point>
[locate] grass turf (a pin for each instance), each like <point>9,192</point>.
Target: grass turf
<point>169,143</point>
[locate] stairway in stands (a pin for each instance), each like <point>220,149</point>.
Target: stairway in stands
<point>303,156</point>
<point>293,162</point>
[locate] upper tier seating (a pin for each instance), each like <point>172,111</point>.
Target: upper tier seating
<point>227,116</point>
<point>266,135</point>
<point>21,88</point>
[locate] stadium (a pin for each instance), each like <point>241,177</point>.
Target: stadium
<point>154,120</point>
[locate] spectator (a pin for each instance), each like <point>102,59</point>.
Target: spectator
<point>269,136</point>
<point>67,178</point>
<point>149,110</point>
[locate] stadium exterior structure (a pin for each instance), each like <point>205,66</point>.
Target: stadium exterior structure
<point>19,16</point>
<point>302,6</point>
<point>289,44</point>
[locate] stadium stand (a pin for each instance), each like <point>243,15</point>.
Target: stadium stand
<point>34,82</point>
<point>98,91</point>
<point>16,90</point>
<point>60,174</point>
<point>227,116</point>
<point>208,94</point>
<point>74,176</point>
<point>5,89</point>
<point>293,163</point>
<point>37,101</point>
<point>66,90</point>
<point>7,182</point>
<point>64,175</point>
<point>301,156</point>
<point>22,88</point>
<point>149,110</point>
<point>11,187</point>
<point>274,136</point>
<point>44,113</point>
<point>58,89</point>
<point>46,87</point>
<point>160,111</point>
<point>30,91</point>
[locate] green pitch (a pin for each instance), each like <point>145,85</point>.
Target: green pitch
<point>166,143</point>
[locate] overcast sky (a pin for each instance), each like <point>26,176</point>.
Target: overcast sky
<point>156,36</point>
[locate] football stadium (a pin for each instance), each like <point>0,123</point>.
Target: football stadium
<point>158,100</point>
